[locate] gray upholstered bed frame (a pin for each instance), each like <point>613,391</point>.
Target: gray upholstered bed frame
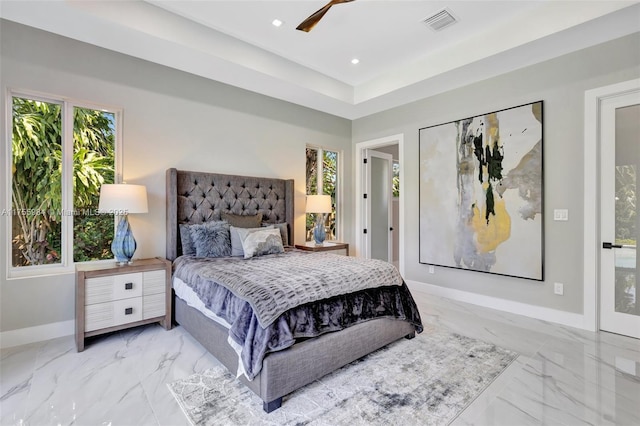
<point>195,197</point>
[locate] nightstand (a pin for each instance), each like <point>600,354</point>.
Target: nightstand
<point>111,297</point>
<point>335,247</point>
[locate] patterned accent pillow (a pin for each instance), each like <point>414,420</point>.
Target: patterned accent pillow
<point>284,231</point>
<point>236,242</point>
<point>211,239</point>
<point>188,248</point>
<point>242,221</point>
<point>261,242</point>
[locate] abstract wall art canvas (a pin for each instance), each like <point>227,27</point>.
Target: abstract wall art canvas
<point>481,193</point>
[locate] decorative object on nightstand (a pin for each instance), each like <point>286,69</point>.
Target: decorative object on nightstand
<point>111,298</point>
<point>319,204</point>
<point>332,246</point>
<point>123,199</point>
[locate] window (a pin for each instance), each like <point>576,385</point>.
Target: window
<point>322,178</point>
<point>61,153</point>
<point>396,179</point>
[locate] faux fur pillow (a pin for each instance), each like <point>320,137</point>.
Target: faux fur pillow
<point>261,242</point>
<point>211,239</point>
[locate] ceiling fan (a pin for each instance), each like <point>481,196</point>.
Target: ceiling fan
<point>308,24</point>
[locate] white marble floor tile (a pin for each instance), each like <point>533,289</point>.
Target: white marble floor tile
<point>163,357</point>
<point>562,376</point>
<point>16,374</point>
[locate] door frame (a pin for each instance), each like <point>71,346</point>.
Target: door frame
<point>367,184</point>
<point>359,200</point>
<point>592,136</point>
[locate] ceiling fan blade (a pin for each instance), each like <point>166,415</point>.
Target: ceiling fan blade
<point>308,24</point>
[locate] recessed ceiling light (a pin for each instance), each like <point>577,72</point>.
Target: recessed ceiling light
<point>355,61</point>
<point>277,22</point>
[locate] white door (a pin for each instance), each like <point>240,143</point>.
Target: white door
<point>620,214</point>
<point>378,206</point>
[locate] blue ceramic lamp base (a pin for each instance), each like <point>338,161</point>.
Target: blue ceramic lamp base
<point>319,233</point>
<point>123,245</point>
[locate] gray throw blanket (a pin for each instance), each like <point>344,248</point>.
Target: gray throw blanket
<point>304,321</point>
<point>274,284</point>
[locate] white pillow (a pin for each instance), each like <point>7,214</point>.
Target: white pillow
<point>260,242</point>
<point>236,242</point>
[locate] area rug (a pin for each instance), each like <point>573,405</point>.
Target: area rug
<point>428,380</point>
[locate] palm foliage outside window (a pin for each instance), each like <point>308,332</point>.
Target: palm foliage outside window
<point>322,178</point>
<point>396,179</point>
<point>41,174</point>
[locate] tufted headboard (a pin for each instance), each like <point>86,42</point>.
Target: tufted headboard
<point>197,197</point>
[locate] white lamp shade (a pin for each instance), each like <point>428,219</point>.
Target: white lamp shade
<point>318,203</point>
<point>123,199</point>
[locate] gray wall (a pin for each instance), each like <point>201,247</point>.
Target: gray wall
<point>171,119</point>
<point>561,84</point>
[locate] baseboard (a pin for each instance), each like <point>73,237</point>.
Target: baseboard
<point>39,333</point>
<point>22,336</point>
<point>538,312</point>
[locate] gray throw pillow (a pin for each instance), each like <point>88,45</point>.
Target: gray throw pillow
<point>260,242</point>
<point>211,239</point>
<point>242,221</point>
<point>185,240</point>
<point>284,231</point>
<point>236,242</point>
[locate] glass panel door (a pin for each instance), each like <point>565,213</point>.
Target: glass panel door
<point>627,280</point>
<point>620,149</point>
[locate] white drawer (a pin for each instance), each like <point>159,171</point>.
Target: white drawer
<point>110,314</point>
<point>154,282</point>
<point>113,287</point>
<point>340,251</point>
<point>154,305</point>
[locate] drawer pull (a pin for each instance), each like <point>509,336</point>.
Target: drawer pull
<point>128,286</point>
<point>128,311</point>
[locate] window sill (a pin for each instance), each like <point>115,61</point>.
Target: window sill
<point>26,272</point>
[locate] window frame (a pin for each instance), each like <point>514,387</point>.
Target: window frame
<point>67,264</point>
<point>339,172</point>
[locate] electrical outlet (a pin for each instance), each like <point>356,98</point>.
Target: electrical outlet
<point>558,288</point>
<point>431,269</point>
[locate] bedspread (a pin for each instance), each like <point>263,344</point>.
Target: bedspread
<point>274,284</point>
<point>313,314</point>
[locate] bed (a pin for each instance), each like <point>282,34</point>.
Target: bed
<point>195,198</point>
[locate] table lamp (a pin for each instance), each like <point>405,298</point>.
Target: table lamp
<point>123,199</point>
<point>319,204</point>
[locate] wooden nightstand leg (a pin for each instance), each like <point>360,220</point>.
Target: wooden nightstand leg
<point>80,292</point>
<point>166,322</point>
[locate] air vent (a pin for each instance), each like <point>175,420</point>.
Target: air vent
<point>439,20</point>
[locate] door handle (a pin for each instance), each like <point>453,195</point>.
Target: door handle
<point>610,246</point>
<point>391,229</point>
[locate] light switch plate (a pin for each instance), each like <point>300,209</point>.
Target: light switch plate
<point>561,214</point>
